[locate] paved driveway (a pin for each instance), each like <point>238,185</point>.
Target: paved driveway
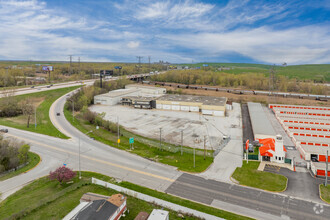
<point>300,184</point>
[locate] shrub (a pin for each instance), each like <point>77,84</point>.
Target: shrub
<point>62,174</point>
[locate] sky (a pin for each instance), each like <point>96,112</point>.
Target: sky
<point>177,31</point>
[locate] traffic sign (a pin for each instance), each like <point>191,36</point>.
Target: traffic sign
<point>118,141</point>
<point>131,140</point>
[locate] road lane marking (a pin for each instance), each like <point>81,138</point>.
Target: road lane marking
<point>96,160</point>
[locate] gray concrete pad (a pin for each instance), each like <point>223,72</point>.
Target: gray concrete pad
<point>147,122</point>
<point>231,156</point>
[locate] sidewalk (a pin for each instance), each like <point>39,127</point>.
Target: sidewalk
<point>283,165</point>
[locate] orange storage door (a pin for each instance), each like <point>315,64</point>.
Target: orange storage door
<point>322,158</point>
<point>320,172</point>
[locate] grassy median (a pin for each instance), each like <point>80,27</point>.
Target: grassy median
<point>248,175</point>
<point>33,160</point>
<point>45,199</point>
<point>43,100</point>
<point>325,193</point>
<point>184,162</point>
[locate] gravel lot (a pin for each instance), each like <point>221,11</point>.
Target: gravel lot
<point>147,122</point>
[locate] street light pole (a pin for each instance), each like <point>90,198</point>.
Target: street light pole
<point>72,111</point>
<point>326,171</point>
<point>181,141</point>
<point>160,138</point>
<point>79,153</point>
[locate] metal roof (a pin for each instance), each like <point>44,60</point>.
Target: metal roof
<point>205,100</point>
<point>259,120</point>
<point>118,92</point>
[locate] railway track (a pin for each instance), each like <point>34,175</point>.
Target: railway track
<point>239,91</point>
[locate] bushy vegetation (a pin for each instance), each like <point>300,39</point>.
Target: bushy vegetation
<point>9,107</point>
<point>85,96</point>
<point>12,154</point>
<point>13,73</point>
<point>252,81</point>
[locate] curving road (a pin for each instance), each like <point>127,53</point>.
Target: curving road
<point>122,165</point>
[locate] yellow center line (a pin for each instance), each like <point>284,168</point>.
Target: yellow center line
<point>96,160</point>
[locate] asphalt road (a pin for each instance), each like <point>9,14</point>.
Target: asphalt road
<point>29,90</point>
<point>260,204</point>
<point>104,159</point>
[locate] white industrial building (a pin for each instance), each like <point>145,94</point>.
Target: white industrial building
<point>114,97</point>
<point>133,90</point>
<point>147,89</point>
<point>207,105</point>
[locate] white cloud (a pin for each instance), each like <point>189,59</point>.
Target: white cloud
<point>176,14</point>
<point>299,45</point>
<point>133,44</point>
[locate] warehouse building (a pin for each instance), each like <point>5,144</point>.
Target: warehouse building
<point>139,102</point>
<point>309,129</point>
<point>147,89</point>
<point>133,90</point>
<point>261,125</point>
<point>207,105</point>
<point>114,97</point>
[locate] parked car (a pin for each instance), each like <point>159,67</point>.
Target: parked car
<point>4,130</point>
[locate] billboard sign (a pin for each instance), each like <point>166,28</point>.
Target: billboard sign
<point>118,67</point>
<point>205,65</point>
<point>47,68</point>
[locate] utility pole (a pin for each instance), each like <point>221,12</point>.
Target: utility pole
<point>79,64</point>
<point>70,63</point>
<point>194,157</point>
<point>118,140</point>
<point>326,170</point>
<point>72,111</point>
<point>35,117</point>
<point>160,138</point>
<point>204,147</point>
<point>139,65</point>
<point>181,140</point>
<point>149,58</point>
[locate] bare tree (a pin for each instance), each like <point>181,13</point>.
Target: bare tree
<point>28,110</point>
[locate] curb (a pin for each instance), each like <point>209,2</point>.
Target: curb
<point>321,195</point>
<point>36,164</point>
<point>237,183</point>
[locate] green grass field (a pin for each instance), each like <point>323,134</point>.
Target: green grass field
<point>45,199</point>
<point>325,192</point>
<point>184,162</point>
<point>318,72</point>
<point>33,160</point>
<point>248,175</point>
<point>44,125</point>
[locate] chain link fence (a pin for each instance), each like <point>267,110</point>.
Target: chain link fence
<point>166,146</point>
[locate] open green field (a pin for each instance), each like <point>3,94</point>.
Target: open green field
<point>318,72</point>
<point>184,162</point>
<point>44,100</point>
<point>33,160</point>
<point>248,175</point>
<point>45,199</point>
<point>325,192</point>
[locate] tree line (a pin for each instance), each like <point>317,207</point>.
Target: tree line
<point>12,153</point>
<point>252,81</point>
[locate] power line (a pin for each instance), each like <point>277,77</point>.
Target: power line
<point>70,63</point>
<point>139,65</point>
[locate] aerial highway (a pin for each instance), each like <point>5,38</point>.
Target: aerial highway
<point>122,165</point>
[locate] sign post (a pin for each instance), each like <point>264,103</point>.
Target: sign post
<point>131,142</point>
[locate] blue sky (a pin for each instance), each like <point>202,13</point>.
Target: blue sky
<point>181,31</point>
